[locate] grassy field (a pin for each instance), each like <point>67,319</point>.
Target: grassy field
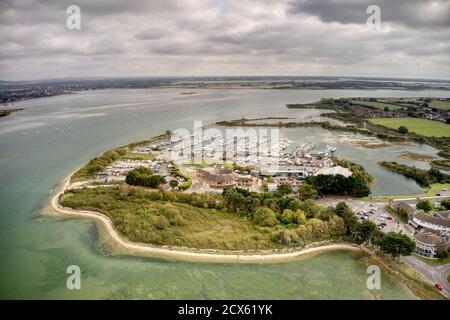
<point>423,127</point>
<point>138,156</point>
<point>376,104</point>
<point>177,224</point>
<point>444,105</point>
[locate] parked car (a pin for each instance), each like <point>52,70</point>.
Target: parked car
<point>389,217</point>
<point>439,286</point>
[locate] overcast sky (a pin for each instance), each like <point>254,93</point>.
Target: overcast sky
<point>224,37</point>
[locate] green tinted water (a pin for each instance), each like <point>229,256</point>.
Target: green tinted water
<point>51,137</point>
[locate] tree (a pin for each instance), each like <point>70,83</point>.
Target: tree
<point>233,199</point>
<point>342,209</point>
<point>265,217</point>
<point>284,188</point>
<point>141,176</point>
<point>173,183</point>
<point>403,130</point>
<point>366,231</point>
<point>351,223</point>
<point>396,244</point>
<point>310,208</point>
<point>307,191</point>
<point>288,216</point>
<point>354,185</point>
<point>424,205</point>
<point>446,204</point>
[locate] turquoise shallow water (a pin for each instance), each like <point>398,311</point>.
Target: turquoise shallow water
<point>53,136</point>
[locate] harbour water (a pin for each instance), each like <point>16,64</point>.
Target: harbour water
<point>53,136</point>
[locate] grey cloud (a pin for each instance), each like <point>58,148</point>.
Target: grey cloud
<point>193,37</point>
<point>413,13</point>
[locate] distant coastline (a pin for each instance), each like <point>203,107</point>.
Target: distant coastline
<point>49,88</point>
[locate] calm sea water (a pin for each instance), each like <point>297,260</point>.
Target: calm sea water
<point>52,136</point>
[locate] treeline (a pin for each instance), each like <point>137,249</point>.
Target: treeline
<point>356,169</point>
<point>441,164</point>
<point>423,177</point>
<point>144,177</point>
<point>99,164</point>
<point>177,218</point>
<point>354,185</point>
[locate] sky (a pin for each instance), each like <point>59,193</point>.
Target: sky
<point>224,37</point>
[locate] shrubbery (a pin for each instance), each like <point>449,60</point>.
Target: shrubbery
<point>338,184</point>
<point>144,177</point>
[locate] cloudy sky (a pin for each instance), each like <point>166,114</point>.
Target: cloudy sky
<point>224,37</point>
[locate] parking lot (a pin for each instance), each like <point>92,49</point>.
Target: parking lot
<point>377,213</point>
<point>372,211</point>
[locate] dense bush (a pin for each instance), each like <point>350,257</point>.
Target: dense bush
<point>403,130</point>
<point>425,205</point>
<point>265,217</point>
<point>144,177</point>
<point>446,204</point>
<point>339,185</point>
<point>356,169</point>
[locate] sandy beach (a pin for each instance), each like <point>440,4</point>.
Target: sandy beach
<point>188,254</point>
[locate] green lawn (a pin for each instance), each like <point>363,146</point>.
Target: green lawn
<point>423,127</point>
<point>444,105</point>
<point>379,105</point>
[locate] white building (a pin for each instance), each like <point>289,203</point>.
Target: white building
<point>428,243</point>
<point>424,220</point>
<point>334,171</point>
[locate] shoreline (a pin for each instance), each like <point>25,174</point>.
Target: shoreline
<point>179,254</point>
<point>190,254</point>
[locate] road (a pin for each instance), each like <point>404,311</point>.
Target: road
<point>435,274</point>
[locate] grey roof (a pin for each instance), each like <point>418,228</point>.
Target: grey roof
<point>428,238</point>
<point>409,209</point>
<point>430,219</point>
<point>334,171</point>
<point>218,178</point>
<point>444,214</point>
